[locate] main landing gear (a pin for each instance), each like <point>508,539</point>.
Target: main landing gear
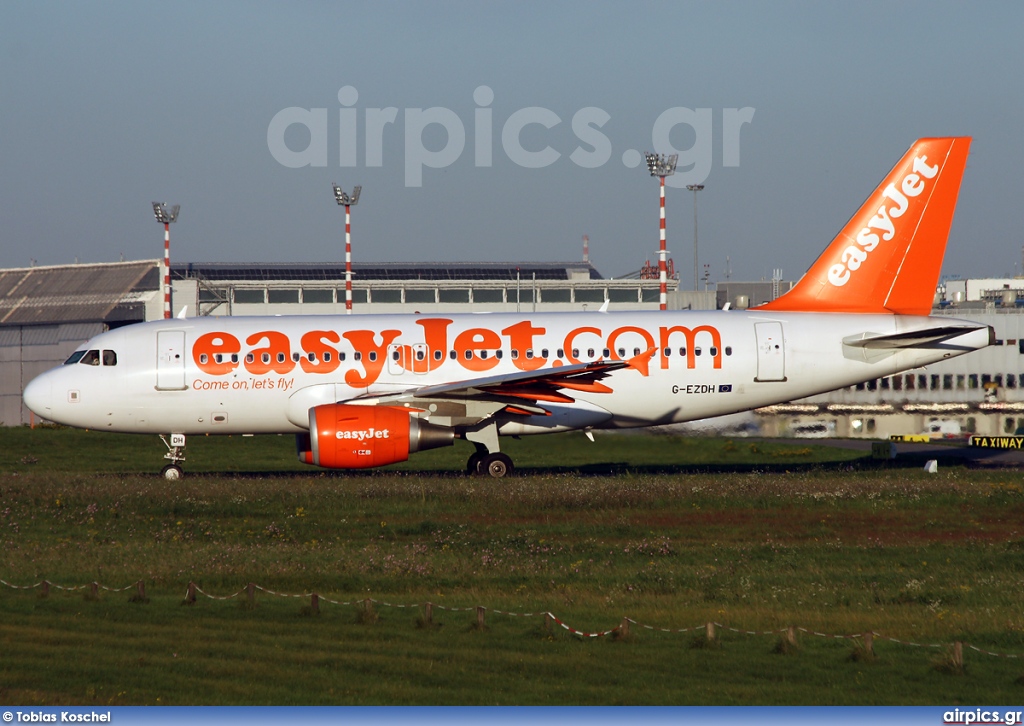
<point>497,464</point>
<point>175,454</point>
<point>487,459</point>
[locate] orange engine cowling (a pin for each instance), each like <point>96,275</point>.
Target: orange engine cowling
<point>342,436</point>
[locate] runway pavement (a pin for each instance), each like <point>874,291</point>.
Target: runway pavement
<point>951,451</point>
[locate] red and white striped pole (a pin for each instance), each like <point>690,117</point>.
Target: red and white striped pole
<point>348,202</point>
<point>661,167</point>
<point>662,252</point>
<point>165,217</point>
<point>348,259</point>
<point>167,270</point>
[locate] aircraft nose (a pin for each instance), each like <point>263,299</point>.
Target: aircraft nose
<point>38,396</point>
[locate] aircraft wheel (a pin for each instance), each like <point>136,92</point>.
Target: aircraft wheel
<point>497,465</point>
<point>473,465</point>
<point>172,472</point>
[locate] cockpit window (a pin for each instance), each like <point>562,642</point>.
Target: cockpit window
<point>75,357</point>
<point>109,358</point>
<point>91,358</point>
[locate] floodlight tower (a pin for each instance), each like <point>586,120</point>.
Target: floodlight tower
<point>694,188</point>
<point>662,166</point>
<point>348,202</point>
<point>165,218</point>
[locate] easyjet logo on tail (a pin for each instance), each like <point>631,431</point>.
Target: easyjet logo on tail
<point>911,186</point>
<point>887,257</point>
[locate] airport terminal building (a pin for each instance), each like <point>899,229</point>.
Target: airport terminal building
<point>424,287</point>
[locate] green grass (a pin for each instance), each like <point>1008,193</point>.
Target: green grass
<point>679,532</point>
<point>62,449</point>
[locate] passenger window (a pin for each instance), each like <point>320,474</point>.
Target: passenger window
<point>91,358</point>
<point>109,358</point>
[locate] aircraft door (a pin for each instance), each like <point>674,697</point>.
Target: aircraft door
<point>417,354</point>
<point>170,360</point>
<point>771,352</point>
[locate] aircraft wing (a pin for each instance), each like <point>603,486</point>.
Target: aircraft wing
<point>522,393</point>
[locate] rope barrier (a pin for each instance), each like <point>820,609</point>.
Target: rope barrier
<point>479,609</point>
<point>214,597</point>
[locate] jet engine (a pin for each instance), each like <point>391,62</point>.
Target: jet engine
<point>343,436</point>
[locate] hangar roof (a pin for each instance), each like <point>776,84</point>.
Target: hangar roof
<point>76,293</point>
<point>333,271</point>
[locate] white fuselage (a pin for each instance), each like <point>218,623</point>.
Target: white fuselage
<point>263,374</point>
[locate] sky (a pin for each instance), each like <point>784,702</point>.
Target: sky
<point>497,131</point>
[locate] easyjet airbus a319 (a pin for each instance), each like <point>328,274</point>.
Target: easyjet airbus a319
<point>369,390</point>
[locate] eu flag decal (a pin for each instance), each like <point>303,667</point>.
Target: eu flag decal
<point>725,388</point>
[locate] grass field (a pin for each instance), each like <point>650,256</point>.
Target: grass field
<point>669,532</point>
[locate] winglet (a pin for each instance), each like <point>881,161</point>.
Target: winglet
<point>642,362</point>
<point>888,256</point>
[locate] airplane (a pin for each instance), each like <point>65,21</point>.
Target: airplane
<point>364,391</point>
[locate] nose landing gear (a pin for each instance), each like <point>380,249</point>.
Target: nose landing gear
<point>175,454</point>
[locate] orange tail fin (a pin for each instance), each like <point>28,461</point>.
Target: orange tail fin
<point>888,256</point>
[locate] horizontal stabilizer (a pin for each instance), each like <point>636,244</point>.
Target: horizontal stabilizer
<point>912,338</point>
